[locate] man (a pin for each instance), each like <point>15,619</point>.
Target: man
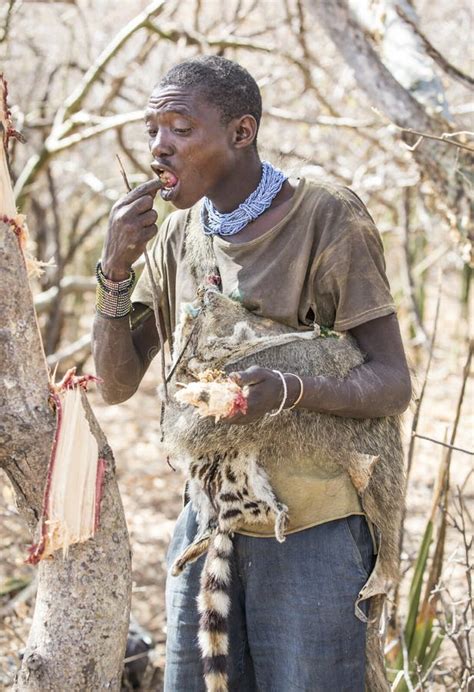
<point>296,253</point>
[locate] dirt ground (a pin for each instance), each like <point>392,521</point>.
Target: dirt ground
<point>152,497</point>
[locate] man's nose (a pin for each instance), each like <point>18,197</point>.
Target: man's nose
<point>161,145</point>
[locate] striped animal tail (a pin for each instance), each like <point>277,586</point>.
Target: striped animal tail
<point>214,607</point>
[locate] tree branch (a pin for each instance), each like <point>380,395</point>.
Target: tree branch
<point>74,102</point>
<point>69,284</point>
<point>449,168</point>
<point>321,120</point>
<point>63,123</point>
<point>8,17</point>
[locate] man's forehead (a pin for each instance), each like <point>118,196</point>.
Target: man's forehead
<point>177,99</point>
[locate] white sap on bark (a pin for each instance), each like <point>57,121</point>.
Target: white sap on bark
<point>79,631</point>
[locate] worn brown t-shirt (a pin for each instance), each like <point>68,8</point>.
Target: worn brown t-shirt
<point>322,262</point>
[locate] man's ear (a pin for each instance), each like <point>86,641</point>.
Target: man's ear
<point>244,131</point>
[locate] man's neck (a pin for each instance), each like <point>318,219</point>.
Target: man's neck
<point>273,215</point>
<point>237,186</point>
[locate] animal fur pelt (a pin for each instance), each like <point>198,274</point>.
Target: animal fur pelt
<point>227,464</point>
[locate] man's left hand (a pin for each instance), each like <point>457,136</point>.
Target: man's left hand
<point>265,393</point>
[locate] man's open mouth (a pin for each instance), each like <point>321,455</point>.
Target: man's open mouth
<point>169,179</point>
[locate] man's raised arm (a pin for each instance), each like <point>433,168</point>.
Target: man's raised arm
<point>123,354</point>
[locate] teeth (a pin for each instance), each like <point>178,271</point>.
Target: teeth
<point>168,179</point>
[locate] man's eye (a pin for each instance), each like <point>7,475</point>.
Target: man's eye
<point>182,130</point>
<point>151,133</point>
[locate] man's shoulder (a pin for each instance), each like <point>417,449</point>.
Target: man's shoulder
<point>331,203</point>
<point>326,193</point>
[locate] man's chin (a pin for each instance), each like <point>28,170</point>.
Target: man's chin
<point>170,194</point>
<point>184,201</point>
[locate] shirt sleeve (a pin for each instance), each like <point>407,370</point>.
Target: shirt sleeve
<point>350,283</point>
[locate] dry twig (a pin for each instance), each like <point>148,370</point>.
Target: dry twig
<point>416,415</point>
<point>445,137</point>
<point>443,444</point>
<point>155,296</point>
<point>456,617</point>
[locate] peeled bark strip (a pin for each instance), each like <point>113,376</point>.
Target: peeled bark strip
<point>77,640</point>
<point>75,479</point>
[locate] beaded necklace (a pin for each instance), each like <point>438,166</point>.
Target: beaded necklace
<point>215,223</point>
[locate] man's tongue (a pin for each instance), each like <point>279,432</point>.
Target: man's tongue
<point>168,179</point>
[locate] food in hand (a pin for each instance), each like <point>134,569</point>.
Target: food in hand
<point>214,394</point>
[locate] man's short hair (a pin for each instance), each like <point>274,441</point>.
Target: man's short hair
<point>222,83</point>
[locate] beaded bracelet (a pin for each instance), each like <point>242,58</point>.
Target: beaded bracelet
<point>300,395</point>
<point>285,394</point>
<point>113,297</point>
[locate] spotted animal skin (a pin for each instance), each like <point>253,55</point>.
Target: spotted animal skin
<point>226,464</point>
<point>225,487</point>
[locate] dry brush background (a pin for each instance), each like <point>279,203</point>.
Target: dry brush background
<point>79,74</point>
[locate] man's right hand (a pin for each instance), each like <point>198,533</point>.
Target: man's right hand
<point>132,223</point>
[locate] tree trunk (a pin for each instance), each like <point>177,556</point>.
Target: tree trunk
<point>402,51</point>
<point>78,637</point>
<point>449,168</point>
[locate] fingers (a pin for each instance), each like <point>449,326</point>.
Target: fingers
<point>148,232</point>
<point>135,216</point>
<point>150,188</point>
<point>149,218</point>
<point>252,375</point>
<point>142,204</point>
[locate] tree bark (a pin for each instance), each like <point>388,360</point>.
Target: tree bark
<point>78,637</point>
<point>402,51</point>
<point>449,168</point>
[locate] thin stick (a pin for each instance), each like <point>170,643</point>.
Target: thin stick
<point>445,137</point>
<point>124,175</point>
<point>154,293</point>
<point>411,449</point>
<point>416,415</point>
<point>180,355</point>
<point>466,370</point>
<point>443,444</point>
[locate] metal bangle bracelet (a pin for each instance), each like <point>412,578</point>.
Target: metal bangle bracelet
<point>300,395</point>
<point>285,393</point>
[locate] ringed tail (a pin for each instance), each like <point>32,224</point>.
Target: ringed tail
<point>214,608</point>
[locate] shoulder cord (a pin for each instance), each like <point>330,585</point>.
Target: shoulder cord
<point>211,278</point>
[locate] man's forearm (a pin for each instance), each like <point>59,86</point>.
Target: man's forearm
<point>379,387</point>
<point>370,391</point>
<point>117,361</point>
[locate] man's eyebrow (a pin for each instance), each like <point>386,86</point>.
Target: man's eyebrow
<point>179,110</point>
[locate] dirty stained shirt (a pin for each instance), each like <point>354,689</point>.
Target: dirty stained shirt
<point>322,262</point>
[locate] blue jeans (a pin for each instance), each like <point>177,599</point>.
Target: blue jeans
<point>292,623</point>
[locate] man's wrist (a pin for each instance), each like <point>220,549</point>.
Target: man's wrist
<point>113,297</point>
<point>295,390</point>
<point>115,273</point>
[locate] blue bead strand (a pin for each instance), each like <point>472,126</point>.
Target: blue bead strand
<point>215,223</point>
